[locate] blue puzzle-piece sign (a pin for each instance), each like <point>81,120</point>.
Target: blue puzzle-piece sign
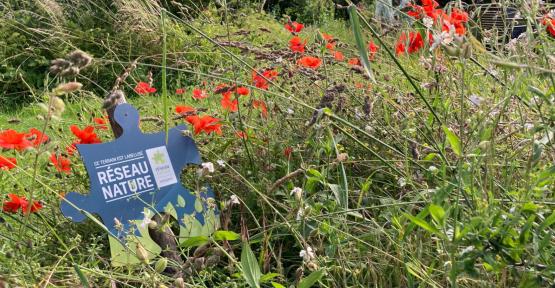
<point>134,172</point>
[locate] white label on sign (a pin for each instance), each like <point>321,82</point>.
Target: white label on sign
<point>161,166</point>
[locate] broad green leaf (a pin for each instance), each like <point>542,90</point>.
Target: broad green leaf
<point>360,41</point>
<point>437,213</point>
<point>311,279</point>
<point>277,285</point>
<point>423,224</point>
<point>195,241</point>
<point>268,276</point>
<point>454,140</point>
<point>251,271</point>
<point>222,235</point>
<point>315,173</point>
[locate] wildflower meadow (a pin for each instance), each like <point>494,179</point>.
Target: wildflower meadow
<point>310,143</point>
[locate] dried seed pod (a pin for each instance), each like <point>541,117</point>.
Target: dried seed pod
<point>79,58</point>
<point>212,260</point>
<point>68,87</point>
<point>71,71</point>
<point>201,250</point>
<point>199,263</point>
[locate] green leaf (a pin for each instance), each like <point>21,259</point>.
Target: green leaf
<point>277,285</point>
<point>454,140</point>
<point>360,41</point>
<point>195,241</point>
<point>268,276</point>
<point>251,271</point>
<point>222,235</point>
<point>437,213</point>
<point>550,220</point>
<point>315,173</point>
<point>180,201</point>
<point>311,279</point>
<point>423,224</point>
<point>530,207</point>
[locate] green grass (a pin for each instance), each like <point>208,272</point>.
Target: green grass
<point>405,183</point>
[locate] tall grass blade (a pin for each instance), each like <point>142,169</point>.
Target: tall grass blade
<point>164,76</point>
<point>361,43</point>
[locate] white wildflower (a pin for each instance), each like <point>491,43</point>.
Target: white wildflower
<point>308,254</point>
<point>221,163</point>
<point>147,219</point>
<point>234,199</point>
<point>290,111</point>
<point>475,99</point>
<point>297,192</point>
<point>428,22</point>
<point>342,157</point>
<point>402,182</point>
<point>208,166</point>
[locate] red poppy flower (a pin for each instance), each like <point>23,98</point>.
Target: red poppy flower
<point>330,46</point>
<point>143,88</point>
<point>206,124</point>
<point>415,42</point>
<point>36,137</point>
<point>287,151</point>
<point>294,27</point>
<point>327,37</point>
<point>71,149</point>
<point>199,94</point>
<point>243,91</point>
<point>7,163</point>
<point>338,56</point>
<point>428,8</point>
<point>11,139</point>
<point>184,109</point>
<point>260,81</point>
<point>227,103</point>
<point>296,44</point>
<point>241,134</point>
<point>549,24</point>
<point>179,91</point>
<point>100,123</point>
<point>62,164</point>
<point>310,62</point>
<point>373,49</point>
<point>17,203</point>
<point>354,62</point>
<point>86,136</point>
<point>457,18</point>
<point>259,104</point>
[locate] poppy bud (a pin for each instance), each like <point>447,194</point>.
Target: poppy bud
<point>152,225</point>
<point>161,265</point>
<point>142,254</point>
<point>466,50</point>
<point>452,51</point>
